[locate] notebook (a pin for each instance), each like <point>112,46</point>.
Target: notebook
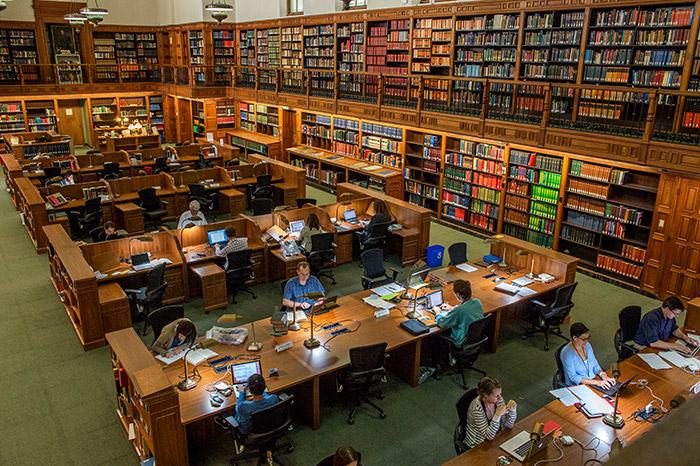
<point>414,326</point>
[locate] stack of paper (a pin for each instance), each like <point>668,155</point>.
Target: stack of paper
<point>654,361</point>
<point>507,288</point>
<point>525,291</point>
<point>377,302</point>
<point>675,358</point>
<point>592,404</point>
<point>466,267</point>
<point>388,289</point>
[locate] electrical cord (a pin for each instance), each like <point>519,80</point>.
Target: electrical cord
<point>325,346</point>
<point>587,448</point>
<point>644,383</point>
<point>555,442</point>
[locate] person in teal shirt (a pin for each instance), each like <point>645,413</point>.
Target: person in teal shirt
<point>458,318</point>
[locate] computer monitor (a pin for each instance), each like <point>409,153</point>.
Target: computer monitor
<point>241,372</point>
<point>349,214</point>
<point>296,226</point>
<point>217,236</point>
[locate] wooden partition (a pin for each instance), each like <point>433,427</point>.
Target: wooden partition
<point>293,185</point>
<point>254,143</point>
<point>76,194</point>
<point>34,168</point>
<point>26,147</point>
<point>12,170</point>
<point>126,190</point>
<point>190,154</point>
<point>226,151</point>
<point>90,164</point>
<point>213,179</point>
<point>131,142</point>
<point>33,212</point>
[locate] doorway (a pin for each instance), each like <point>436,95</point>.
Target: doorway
<point>71,120</point>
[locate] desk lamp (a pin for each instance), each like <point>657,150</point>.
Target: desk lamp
<point>613,419</point>
<point>294,326</point>
<point>312,342</point>
<point>191,382</point>
<point>344,203</point>
<point>187,226</point>
<point>258,165</point>
<point>494,240</point>
<point>431,286</point>
<point>522,252</point>
<point>144,239</point>
<point>255,345</point>
<point>535,437</point>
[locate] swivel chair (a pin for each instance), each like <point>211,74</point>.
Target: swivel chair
<point>302,201</point>
<point>366,371</point>
<point>629,318</point>
<point>458,253</point>
<point>161,166</point>
<point>559,380</point>
<point>151,207</point>
<point>149,297</point>
<point>466,354</point>
<point>262,187</point>
<point>162,316</point>
<point>375,238</point>
<point>238,272</point>
<point>261,206</point>
<point>548,318</point>
<point>84,220</point>
<point>322,255</point>
<point>202,162</point>
<point>461,427</point>
<point>374,272</point>
<point>199,193</point>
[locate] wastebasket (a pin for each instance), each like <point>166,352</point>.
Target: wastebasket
<point>435,254</point>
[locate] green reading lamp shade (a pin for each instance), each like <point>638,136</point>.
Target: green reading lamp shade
<point>294,326</point>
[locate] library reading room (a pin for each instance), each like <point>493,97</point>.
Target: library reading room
<point>263,232</point>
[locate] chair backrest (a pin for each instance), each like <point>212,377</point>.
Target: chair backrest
<point>463,406</point>
<point>149,200</point>
<point>197,190</point>
<point>233,162</point>
<point>475,331</point>
<point>93,205</point>
<point>373,263</point>
<point>458,253</point>
<point>378,230</point>
<point>262,181</point>
<point>162,316</point>
<point>305,200</point>
<point>52,172</point>
<point>110,176</point>
<point>364,359</point>
<point>564,294</point>
<point>629,318</point>
<point>155,278</point>
<point>239,261</point>
<point>262,206</point>
<point>562,305</point>
<point>273,421</point>
<point>559,376</point>
<point>322,242</point>
<point>111,168</point>
<point>160,162</point>
<point>95,234</point>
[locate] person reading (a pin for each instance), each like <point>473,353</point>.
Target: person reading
<point>312,227</point>
<point>488,414</point>
<point>109,232</point>
<point>246,408</point>
<point>300,285</point>
<point>234,244</point>
<point>68,179</point>
<point>175,337</point>
<point>658,325</point>
<point>580,364</point>
<point>193,215</point>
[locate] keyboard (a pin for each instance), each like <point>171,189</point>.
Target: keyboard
<point>523,449</point>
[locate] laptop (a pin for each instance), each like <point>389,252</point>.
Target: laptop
<point>242,371</point>
<point>693,350</point>
<point>350,216</point>
<point>217,237</point>
<point>611,391</point>
<point>433,300</point>
<point>522,448</point>
<point>295,228</point>
<point>141,261</point>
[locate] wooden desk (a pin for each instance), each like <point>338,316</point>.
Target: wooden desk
<point>126,190</point>
<point>213,179</point>
<point>89,165</point>
<point>114,306</point>
<point>26,146</point>
<point>692,316</point>
<point>212,281</point>
<point>254,143</point>
<point>128,216</point>
<point>33,212</point>
<point>282,266</point>
<point>293,184</point>
<point>189,154</point>
<point>12,170</point>
<point>233,201</point>
<point>131,142</point>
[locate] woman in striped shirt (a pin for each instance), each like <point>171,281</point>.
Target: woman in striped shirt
<point>488,414</point>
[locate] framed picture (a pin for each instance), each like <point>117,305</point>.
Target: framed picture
<point>63,39</point>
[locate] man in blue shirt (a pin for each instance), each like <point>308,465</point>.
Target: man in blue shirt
<point>261,400</point>
<point>658,325</point>
<point>300,285</point>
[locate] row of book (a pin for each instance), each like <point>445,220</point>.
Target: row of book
<point>331,177</point>
<point>484,208</point>
<point>489,166</point>
<point>93,192</point>
<point>519,187</point>
<point>517,203</point>
<point>656,78</point>
<point>544,193</point>
<point>583,204</point>
<point>455,199</point>
<point>346,136</point>
<point>618,266</point>
<point>606,74</point>
<point>531,159</point>
<point>430,192</point>
<point>543,209</point>
<point>624,214</point>
<point>542,225</point>
<point>489,181</point>
<point>344,148</point>
<point>634,253</point>
<point>576,235</point>
<point>454,172</point>
<point>591,171</point>
<point>514,216</point>
<point>615,228</point>
<point>375,142</point>
<point>585,221</point>
<point>485,194</point>
<point>455,186</point>
<point>460,160</point>
<point>379,157</point>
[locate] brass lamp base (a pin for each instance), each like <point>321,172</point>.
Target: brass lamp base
<point>613,420</point>
<point>413,315</point>
<point>255,346</point>
<point>294,326</point>
<point>530,275</point>
<point>186,384</point>
<point>312,343</point>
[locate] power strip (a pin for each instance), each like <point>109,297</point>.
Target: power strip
<point>340,331</point>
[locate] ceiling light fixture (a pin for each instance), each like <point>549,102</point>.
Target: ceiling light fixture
<point>219,10</point>
<point>94,10</point>
<point>75,18</point>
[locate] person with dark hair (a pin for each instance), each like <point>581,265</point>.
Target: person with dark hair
<point>488,414</point>
<point>459,317</point>
<point>300,285</point>
<point>381,215</point>
<point>580,364</point>
<point>109,232</point>
<point>234,244</point>
<point>175,337</point>
<point>261,400</point>
<point>346,456</point>
<point>68,179</point>
<point>312,227</point>
<point>658,325</point>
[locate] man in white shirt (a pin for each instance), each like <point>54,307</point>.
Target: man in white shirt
<point>192,216</point>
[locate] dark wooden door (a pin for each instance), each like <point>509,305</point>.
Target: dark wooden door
<point>71,120</point>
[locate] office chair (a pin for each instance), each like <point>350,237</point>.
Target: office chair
<point>50,172</point>
<point>93,151</point>
<point>262,187</point>
<point>629,318</point>
<point>458,253</point>
<point>199,193</point>
<point>162,316</point>
<point>233,162</point>
<point>161,165</point>
<point>261,206</point>
<point>466,354</point>
<point>84,220</point>
<point>238,272</point>
<point>202,163</point>
<point>549,317</point>
<point>559,381</point>
<point>146,146</point>
<point>322,255</point>
<point>374,272</point>
<point>376,237</point>
<point>55,181</point>
<point>302,201</point>
<point>461,427</point>
<point>95,234</point>
<point>269,425</point>
<point>366,370</point>
<point>111,171</point>
<point>149,297</point>
<point>151,207</point>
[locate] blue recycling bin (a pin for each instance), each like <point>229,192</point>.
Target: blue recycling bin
<point>435,254</point>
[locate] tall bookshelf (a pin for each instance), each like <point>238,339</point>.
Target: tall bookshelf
<point>422,167</point>
<point>551,45</point>
<point>486,46</point>
<point>431,46</point>
<point>291,47</point>
<point>351,47</point>
<point>18,47</point>
<point>382,144</point>
<point>246,116</point>
<point>105,56</point>
<point>316,130</point>
<point>199,129</point>
<point>532,196</point>
<point>398,46</point>
<point>246,47</point>
<point>268,48</point>
<point>105,112</point>
<point>133,108</point>
<point>694,81</point>
<point>267,120</point>
<point>156,115</point>
<point>41,115</point>
<point>196,47</point>
<point>226,114</point>
<point>223,41</point>
<point>319,54</point>
<point>135,51</point>
<point>11,117</point>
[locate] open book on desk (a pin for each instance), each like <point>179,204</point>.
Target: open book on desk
<point>193,357</point>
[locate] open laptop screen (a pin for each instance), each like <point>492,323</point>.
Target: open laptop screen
<point>241,372</point>
<point>434,299</point>
<point>141,258</point>
<point>217,236</point>
<point>296,226</point>
<point>349,214</point>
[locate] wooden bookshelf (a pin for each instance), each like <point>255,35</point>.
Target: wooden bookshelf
<point>156,114</point>
<point>135,51</point>
<point>381,144</point>
<point>197,55</point>
<point>105,51</point>
<point>486,46</point>
<point>12,117</point>
<point>246,119</point>
<point>291,47</point>
<point>105,112</point>
<point>422,167</point>
<point>226,114</point>
<point>18,47</point>
<point>148,405</point>
<point>267,120</point>
<point>246,48</point>
<point>254,143</point>
<point>351,47</point>
<point>268,48</point>
<point>224,51</point>
<point>24,146</point>
<point>316,130</point>
<point>432,46</point>
<point>41,115</point>
<point>199,129</point>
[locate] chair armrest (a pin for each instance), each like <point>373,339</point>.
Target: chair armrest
<point>394,272</point>
<point>282,396</point>
<point>131,291</point>
<point>73,212</point>
<point>334,245</point>
<point>539,304</point>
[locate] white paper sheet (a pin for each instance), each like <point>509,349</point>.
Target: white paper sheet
<point>654,361</point>
<point>466,267</point>
<point>565,396</point>
<point>378,302</point>
<point>674,358</point>
<point>525,291</point>
<point>592,403</point>
<point>171,359</point>
<point>388,289</point>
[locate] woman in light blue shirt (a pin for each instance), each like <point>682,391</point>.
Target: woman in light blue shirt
<point>580,364</point>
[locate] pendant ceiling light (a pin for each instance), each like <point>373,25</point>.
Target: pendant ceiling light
<point>219,10</point>
<point>94,11</point>
<point>74,17</point>
<point>3,5</point>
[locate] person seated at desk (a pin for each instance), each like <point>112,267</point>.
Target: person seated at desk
<point>234,244</point>
<point>68,179</point>
<point>381,215</point>
<point>192,216</point>
<point>488,414</point>
<point>459,317</point>
<point>261,400</point>
<point>300,285</point>
<point>109,232</point>
<point>175,337</point>
<point>658,325</point>
<point>346,456</point>
<point>580,364</point>
<point>312,227</point>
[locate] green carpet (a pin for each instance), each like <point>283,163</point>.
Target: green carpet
<point>57,402</point>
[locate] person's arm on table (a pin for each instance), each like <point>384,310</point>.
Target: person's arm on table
<point>570,360</point>
<point>678,333</point>
<point>161,345</point>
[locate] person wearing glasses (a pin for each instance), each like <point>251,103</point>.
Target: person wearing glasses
<point>658,325</point>
<point>300,285</point>
<point>580,364</point>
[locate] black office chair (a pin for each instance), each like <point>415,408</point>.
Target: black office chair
<point>466,354</point>
<point>261,206</point>
<point>559,381</point>
<point>302,201</point>
<point>233,162</point>
<point>376,237</point>
<point>366,371</point>
<point>322,255</point>
<point>461,428</point>
<point>149,297</point>
<point>151,207</point>
<point>202,163</point>
<point>111,171</point>
<point>263,187</point>
<point>458,253</point>
<point>161,165</point>
<point>549,317</point>
<point>147,146</point>
<point>199,193</point>
<point>161,317</point>
<point>268,426</point>
<point>95,234</point>
<point>84,220</point>
<point>629,318</point>
<point>238,272</point>
<point>374,272</point>
<point>49,173</point>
